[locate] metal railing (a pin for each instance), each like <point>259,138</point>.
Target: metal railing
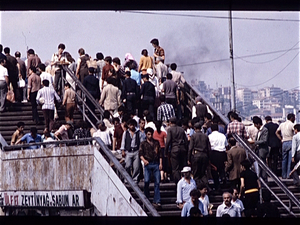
<point>191,94</point>
<point>3,143</point>
<point>145,202</point>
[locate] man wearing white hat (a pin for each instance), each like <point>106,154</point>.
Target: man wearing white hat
<point>184,186</point>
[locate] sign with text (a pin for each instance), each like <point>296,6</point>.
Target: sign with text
<point>42,199</point>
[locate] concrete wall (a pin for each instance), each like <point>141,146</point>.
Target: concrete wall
<point>68,168</point>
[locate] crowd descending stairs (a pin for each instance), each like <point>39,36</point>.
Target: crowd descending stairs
<point>168,198</point>
<point>22,112</point>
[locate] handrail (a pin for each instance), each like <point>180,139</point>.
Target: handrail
<point>262,165</point>
<point>130,181</point>
<point>110,156</point>
<point>82,88</point>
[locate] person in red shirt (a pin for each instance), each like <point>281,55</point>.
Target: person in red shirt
<point>161,136</point>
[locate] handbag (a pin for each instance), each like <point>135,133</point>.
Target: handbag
<point>21,83</point>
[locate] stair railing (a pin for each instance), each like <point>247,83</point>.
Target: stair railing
<point>191,94</point>
<point>3,143</point>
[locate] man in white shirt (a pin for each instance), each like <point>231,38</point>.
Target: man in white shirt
<point>184,187</point>
<point>227,208</point>
<point>218,155</point>
<point>48,94</point>
<point>4,82</point>
<point>237,202</point>
<point>285,133</point>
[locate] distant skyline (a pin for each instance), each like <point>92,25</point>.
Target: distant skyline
<point>198,41</point>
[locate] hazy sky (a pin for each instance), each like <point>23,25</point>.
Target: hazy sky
<point>198,41</point>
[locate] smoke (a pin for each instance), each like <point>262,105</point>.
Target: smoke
<point>199,42</point>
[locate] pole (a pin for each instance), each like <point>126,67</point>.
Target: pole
<point>233,106</point>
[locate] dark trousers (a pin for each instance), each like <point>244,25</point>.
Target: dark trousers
<point>199,163</point>
<point>49,118</point>
<point>250,202</point>
<point>131,104</point>
<point>295,175</point>
<point>173,102</point>
<point>35,114</point>
<point>148,104</point>
<point>218,158</point>
<point>273,159</point>
<point>178,161</point>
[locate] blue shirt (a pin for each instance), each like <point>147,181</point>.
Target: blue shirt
<point>183,190</point>
<point>187,207</point>
<point>136,76</point>
<point>29,139</point>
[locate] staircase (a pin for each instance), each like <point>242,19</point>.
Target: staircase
<point>22,112</point>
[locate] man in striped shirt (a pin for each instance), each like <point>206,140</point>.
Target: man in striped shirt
<point>165,111</point>
<point>48,94</point>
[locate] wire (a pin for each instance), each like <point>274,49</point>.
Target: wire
<point>237,57</point>
<point>273,76</point>
<point>211,17</point>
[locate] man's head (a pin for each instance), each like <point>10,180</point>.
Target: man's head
<point>233,116</point>
<point>231,141</point>
<point>257,122</point>
<point>154,42</point>
<point>2,61</point>
<point>268,119</point>
<point>207,117</point>
<point>214,127</point>
<point>142,123</point>
<point>173,120</point>
<point>6,50</point>
<point>197,126</point>
<point>144,52</point>
<point>203,189</point>
<point>32,69</point>
<point>145,77</point>
<point>132,124</point>
<point>106,114</point>
<point>61,47</point>
<point>116,61</point>
<point>121,110</point>
<point>20,126</point>
<point>195,212</point>
<point>46,83</point>
<point>30,52</point>
<point>169,76</point>
<point>235,194</point>
<point>149,133</point>
<point>99,56</point>
<point>186,172</point>
<point>81,51</point>
<point>33,131</point>
<point>227,197</point>
<point>291,117</point>
<point>42,67</point>
<point>116,121</point>
<point>195,195</point>
<point>18,54</point>
<point>173,66</point>
<point>108,59</point>
<point>297,128</point>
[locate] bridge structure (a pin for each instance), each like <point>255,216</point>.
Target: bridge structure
<point>87,180</point>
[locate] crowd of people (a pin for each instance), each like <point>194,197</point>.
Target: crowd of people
<point>143,126</point>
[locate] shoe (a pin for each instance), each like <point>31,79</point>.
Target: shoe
<point>24,101</point>
<point>156,205</point>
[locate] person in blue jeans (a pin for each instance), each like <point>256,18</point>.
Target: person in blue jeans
<point>151,156</point>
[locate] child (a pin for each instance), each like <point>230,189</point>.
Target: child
<point>18,133</point>
<point>205,200</point>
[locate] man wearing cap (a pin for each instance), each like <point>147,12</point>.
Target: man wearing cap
<point>130,93</point>
<point>184,186</point>
<point>198,154</point>
<point>200,110</point>
<point>178,143</point>
<point>48,93</point>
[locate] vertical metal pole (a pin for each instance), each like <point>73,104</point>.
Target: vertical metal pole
<point>233,106</point>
